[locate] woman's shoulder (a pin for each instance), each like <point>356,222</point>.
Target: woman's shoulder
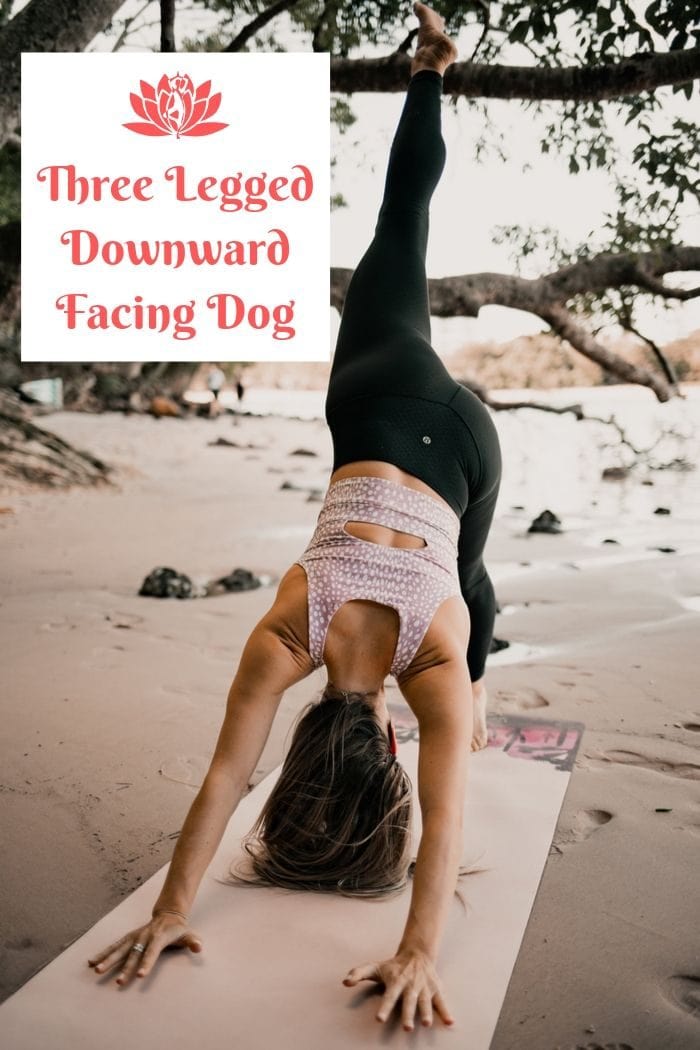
<point>288,615</point>
<point>445,640</point>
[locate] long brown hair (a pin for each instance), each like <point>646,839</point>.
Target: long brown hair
<point>339,817</point>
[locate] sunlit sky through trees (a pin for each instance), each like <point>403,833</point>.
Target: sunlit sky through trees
<point>472,198</point>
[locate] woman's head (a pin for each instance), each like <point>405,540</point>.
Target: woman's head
<point>339,815</point>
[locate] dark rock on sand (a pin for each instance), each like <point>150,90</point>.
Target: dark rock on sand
<point>232,444</point>
<point>545,522</point>
<point>662,510</point>
<point>238,580</point>
<point>611,541</point>
<point>166,583</point>
<point>615,473</point>
<point>303,452</point>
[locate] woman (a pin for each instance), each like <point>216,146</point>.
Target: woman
<point>392,581</point>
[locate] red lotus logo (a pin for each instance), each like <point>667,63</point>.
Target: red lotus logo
<point>175,107</point>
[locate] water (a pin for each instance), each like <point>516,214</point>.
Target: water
<point>556,461</point>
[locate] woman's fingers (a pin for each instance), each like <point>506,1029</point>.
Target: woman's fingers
<point>425,1008</point>
<point>156,945</point>
<point>362,973</point>
<point>133,960</point>
<point>151,939</point>
<point>416,985</point>
<point>442,1008</point>
<point>100,957</point>
<point>111,956</point>
<point>391,996</point>
<point>408,1007</point>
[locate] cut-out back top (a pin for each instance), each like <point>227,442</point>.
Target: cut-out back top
<point>413,580</point>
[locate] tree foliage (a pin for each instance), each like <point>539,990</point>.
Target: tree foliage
<point>612,86</point>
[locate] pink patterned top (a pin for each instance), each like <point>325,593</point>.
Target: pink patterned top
<point>413,580</point>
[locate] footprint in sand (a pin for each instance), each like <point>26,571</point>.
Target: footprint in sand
<point>58,625</point>
<point>124,620</point>
<point>104,657</point>
<point>585,822</point>
<point>683,990</point>
<point>603,1046</point>
<point>523,700</point>
<point>685,770</point>
<point>182,770</point>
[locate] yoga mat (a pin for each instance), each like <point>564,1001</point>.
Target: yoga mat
<point>273,961</point>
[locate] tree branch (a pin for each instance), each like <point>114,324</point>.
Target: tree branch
<point>547,296</point>
<point>504,406</point>
<point>257,23</point>
<point>666,366</point>
<point>631,76</point>
<point>167,25</point>
<point>657,286</point>
<point>564,324</point>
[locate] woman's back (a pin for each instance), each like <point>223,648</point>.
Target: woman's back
<point>380,566</point>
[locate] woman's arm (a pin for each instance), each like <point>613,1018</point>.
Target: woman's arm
<point>440,696</point>
<point>271,662</point>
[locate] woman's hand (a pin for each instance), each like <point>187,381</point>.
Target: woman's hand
<point>411,976</point>
<point>163,930</point>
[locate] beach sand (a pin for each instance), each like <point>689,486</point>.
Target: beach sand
<point>113,702</point>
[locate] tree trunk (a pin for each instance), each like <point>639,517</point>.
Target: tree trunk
<point>45,25</point>
<point>29,453</point>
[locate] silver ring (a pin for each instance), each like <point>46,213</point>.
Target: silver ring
<point>138,947</point>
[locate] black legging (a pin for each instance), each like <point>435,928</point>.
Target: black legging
<point>390,397</point>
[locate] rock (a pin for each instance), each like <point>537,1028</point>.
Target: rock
<point>497,644</point>
<point>303,452</point>
<point>164,406</point>
<point>233,444</point>
<point>615,473</point>
<point>238,580</point>
<point>664,550</point>
<point>166,583</point>
<point>611,541</point>
<point>545,522</point>
<point>662,510</point>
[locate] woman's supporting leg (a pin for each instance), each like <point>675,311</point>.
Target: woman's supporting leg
<point>387,298</point>
<point>478,593</point>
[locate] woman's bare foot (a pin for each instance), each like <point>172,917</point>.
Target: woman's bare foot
<point>479,732</point>
<point>434,49</point>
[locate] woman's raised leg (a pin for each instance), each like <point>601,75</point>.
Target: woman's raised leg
<point>387,298</point>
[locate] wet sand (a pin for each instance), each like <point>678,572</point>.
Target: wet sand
<point>112,702</point>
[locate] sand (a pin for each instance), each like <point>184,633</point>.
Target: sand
<point>112,703</point>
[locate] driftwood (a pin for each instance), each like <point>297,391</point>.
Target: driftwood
<point>30,453</point>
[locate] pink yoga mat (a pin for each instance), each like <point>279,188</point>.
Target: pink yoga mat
<point>273,961</point>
